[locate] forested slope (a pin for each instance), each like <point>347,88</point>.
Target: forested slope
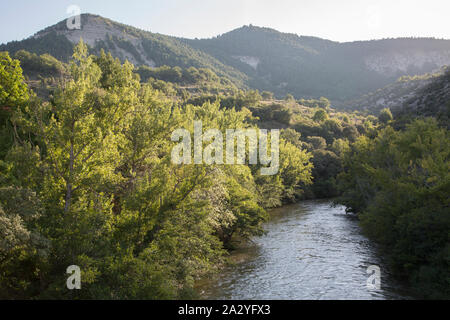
<point>255,57</point>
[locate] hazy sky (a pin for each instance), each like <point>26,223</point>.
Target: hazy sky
<point>339,20</point>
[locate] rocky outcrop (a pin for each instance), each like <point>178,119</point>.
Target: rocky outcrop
<point>251,61</point>
<point>95,30</point>
<point>393,64</point>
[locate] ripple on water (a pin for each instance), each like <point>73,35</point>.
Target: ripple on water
<point>311,250</point>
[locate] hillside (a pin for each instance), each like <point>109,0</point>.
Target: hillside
<point>255,57</point>
<point>394,95</point>
<point>433,100</point>
<point>125,42</point>
<point>313,67</point>
<point>410,96</point>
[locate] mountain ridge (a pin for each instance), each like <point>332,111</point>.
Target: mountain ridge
<point>256,57</point>
<point>124,42</point>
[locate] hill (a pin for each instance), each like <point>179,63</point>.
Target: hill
<point>312,67</point>
<point>394,95</point>
<point>124,42</point>
<point>432,100</point>
<point>255,57</point>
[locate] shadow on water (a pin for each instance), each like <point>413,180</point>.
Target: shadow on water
<point>311,250</point>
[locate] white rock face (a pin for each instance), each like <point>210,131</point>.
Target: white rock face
<point>251,61</point>
<point>391,64</point>
<point>96,30</point>
<point>93,31</point>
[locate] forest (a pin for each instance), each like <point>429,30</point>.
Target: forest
<point>86,178</point>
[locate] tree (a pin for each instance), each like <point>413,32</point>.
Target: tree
<point>397,182</point>
<point>89,181</point>
<point>385,116</point>
<point>317,143</point>
<point>289,97</point>
<point>281,114</point>
<point>267,95</point>
<point>13,94</point>
<point>21,243</point>
<point>13,90</point>
<point>295,170</point>
<point>324,103</point>
<point>345,119</point>
<point>292,136</point>
<point>77,154</point>
<point>320,115</point>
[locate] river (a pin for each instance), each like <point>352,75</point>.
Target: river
<point>311,250</point>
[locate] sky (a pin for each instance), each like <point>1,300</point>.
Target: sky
<point>338,20</point>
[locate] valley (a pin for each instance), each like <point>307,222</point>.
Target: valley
<point>359,137</point>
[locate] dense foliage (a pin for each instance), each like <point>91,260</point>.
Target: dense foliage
<point>86,176</point>
<point>88,180</point>
<point>13,93</point>
<point>44,65</point>
<point>399,183</point>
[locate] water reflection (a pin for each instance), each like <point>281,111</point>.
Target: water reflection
<point>311,251</point>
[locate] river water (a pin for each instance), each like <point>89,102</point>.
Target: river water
<point>311,250</point>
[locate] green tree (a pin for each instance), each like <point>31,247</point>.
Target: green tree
<point>320,115</point>
<point>89,181</point>
<point>324,103</point>
<point>385,116</point>
<point>289,97</point>
<point>13,94</point>
<point>267,95</point>
<point>398,183</point>
<point>317,143</point>
<point>13,90</point>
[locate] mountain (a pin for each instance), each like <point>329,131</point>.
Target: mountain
<point>125,42</point>
<point>255,57</point>
<point>313,67</point>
